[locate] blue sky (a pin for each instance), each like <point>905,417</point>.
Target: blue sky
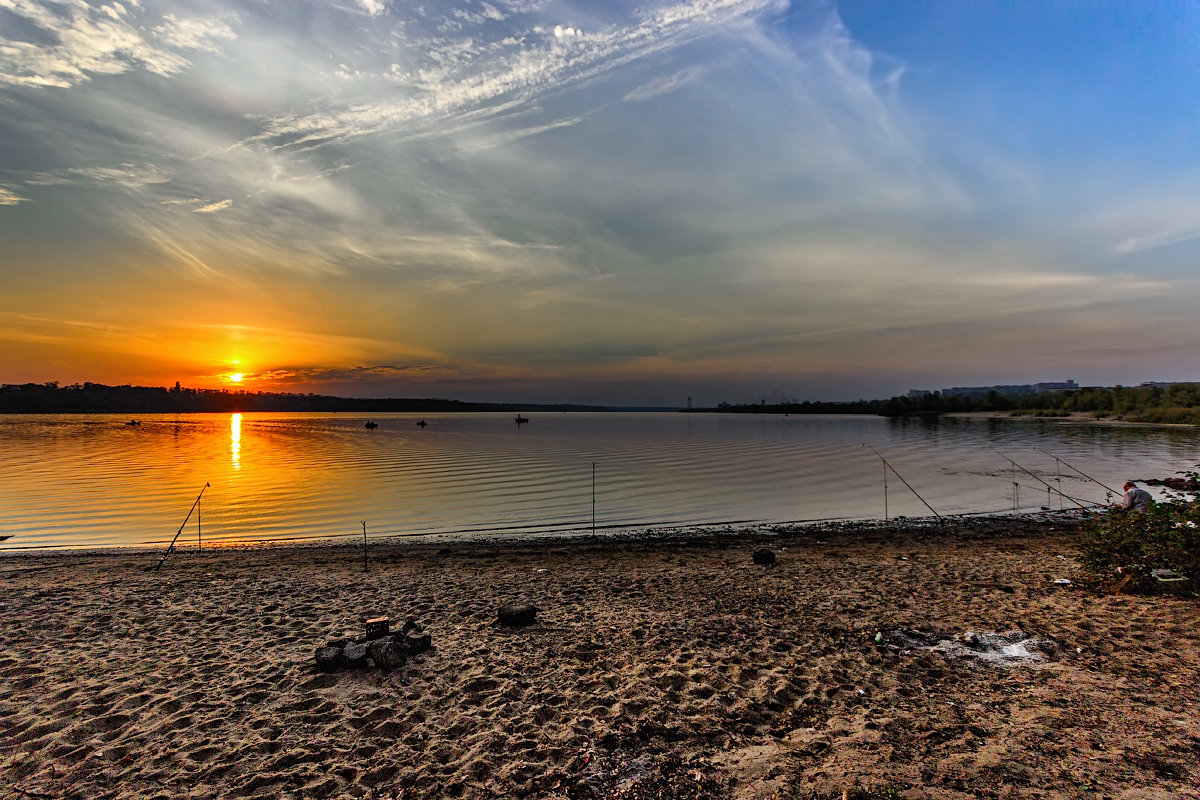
<point>598,202</point>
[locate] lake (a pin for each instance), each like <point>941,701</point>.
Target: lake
<point>94,481</point>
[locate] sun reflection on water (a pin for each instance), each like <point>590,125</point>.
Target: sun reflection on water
<point>235,440</point>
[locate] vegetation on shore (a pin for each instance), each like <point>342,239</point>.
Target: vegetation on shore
<point>1151,551</point>
<point>1178,403</point>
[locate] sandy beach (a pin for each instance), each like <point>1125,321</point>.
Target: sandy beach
<point>660,667</point>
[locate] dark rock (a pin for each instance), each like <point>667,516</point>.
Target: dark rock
<point>329,658</point>
<point>1177,484</point>
<point>517,614</point>
<point>414,643</point>
<point>387,654</point>
<point>355,655</point>
<point>764,556</point>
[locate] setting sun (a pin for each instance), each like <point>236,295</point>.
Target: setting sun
<point>235,377</point>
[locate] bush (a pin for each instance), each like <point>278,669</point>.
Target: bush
<point>1123,549</point>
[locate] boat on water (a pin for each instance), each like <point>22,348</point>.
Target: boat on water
<point>521,420</point>
<point>371,425</point>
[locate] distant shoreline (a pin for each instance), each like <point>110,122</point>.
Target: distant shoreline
<point>1078,417</point>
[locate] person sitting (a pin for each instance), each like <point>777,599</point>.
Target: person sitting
<point>1136,499</point>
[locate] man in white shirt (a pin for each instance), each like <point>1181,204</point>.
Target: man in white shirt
<point>1136,499</point>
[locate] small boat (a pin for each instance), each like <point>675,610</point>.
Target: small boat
<point>371,425</point>
<point>134,422</point>
<point>421,424</point>
<point>521,420</point>
<point>6,538</point>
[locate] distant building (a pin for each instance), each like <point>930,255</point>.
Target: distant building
<point>916,393</point>
<point>1056,387</point>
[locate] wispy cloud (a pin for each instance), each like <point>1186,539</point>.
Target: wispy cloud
<point>132,176</point>
<point>460,77</point>
<point>9,197</point>
<point>665,85</point>
<point>376,373</point>
<point>212,208</point>
<point>78,40</point>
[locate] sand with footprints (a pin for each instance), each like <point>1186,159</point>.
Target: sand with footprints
<point>658,667</point>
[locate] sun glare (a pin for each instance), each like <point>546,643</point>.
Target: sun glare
<point>235,377</point>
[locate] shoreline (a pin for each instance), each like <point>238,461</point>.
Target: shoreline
<point>1075,418</point>
<point>616,535</point>
<point>656,667</point>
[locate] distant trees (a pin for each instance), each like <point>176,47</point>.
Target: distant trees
<point>1177,403</point>
<point>50,398</point>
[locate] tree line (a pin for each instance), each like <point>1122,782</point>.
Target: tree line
<point>50,398</point>
<point>1175,403</point>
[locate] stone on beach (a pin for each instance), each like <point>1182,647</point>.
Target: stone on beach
<point>388,652</point>
<point>329,658</point>
<point>354,654</point>
<point>517,615</point>
<point>764,556</point>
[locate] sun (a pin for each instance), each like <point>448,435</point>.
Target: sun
<point>235,377</point>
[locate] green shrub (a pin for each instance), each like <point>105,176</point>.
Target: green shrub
<point>1124,548</point>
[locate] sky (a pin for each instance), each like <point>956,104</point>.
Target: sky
<point>626,203</point>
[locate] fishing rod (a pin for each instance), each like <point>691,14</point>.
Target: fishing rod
<point>1088,505</point>
<point>901,477</point>
<point>171,549</point>
<point>1039,480</point>
<point>1081,472</point>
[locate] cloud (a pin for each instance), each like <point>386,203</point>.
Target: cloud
<point>461,77</point>
<point>1155,239</point>
<point>378,373</point>
<point>212,208</point>
<point>665,85</point>
<point>373,7</point>
<point>131,176</point>
<point>10,198</point>
<point>194,34</point>
<point>77,41</point>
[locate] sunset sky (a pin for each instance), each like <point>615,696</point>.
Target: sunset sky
<point>609,202</point>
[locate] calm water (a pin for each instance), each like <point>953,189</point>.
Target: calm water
<point>73,480</point>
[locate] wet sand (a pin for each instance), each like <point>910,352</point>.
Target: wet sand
<point>670,667</point>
